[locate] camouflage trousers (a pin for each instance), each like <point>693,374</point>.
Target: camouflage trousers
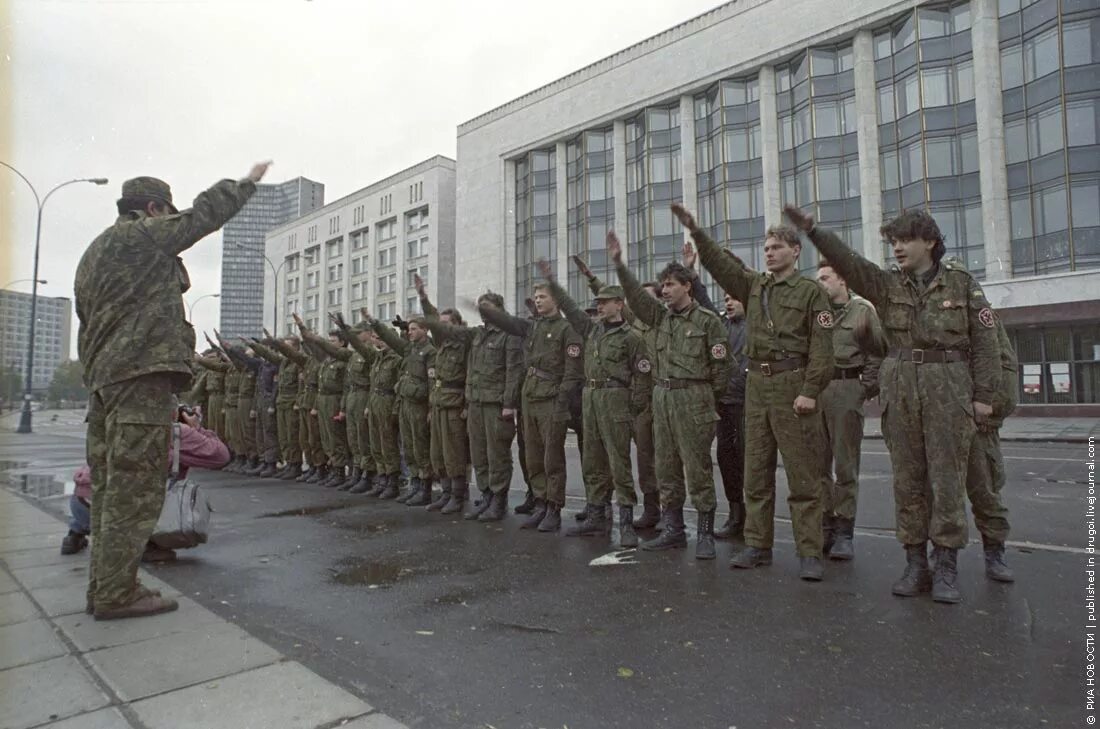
<point>359,430</point>
<point>416,437</point>
<point>641,431</point>
<point>266,430</point>
<point>384,433</point>
<point>245,428</point>
<point>842,405</point>
<point>288,424</point>
<point>928,424</point>
<point>605,456</point>
<point>771,424</point>
<point>334,437</point>
<point>985,478</point>
<point>214,417</point>
<point>683,430</point>
<point>129,436</point>
<point>544,429</point>
<point>450,445</point>
<point>490,445</point>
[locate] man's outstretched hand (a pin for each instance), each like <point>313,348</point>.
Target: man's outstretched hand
<point>614,248</point>
<point>799,219</point>
<point>582,267</point>
<point>258,171</point>
<point>686,219</point>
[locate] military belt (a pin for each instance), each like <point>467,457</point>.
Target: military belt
<point>677,383</point>
<point>541,374</point>
<point>387,391</point>
<point>851,373</point>
<point>926,356</point>
<point>773,368</point>
<point>604,384</point>
<point>450,384</point>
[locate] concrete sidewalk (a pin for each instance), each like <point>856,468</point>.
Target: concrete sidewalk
<point>1019,429</point>
<point>188,669</point>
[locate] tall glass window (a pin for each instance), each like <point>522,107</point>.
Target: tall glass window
<point>928,142</point>
<point>1050,60</point>
<point>818,149</point>
<point>591,203</point>
<point>729,170</point>
<point>653,183</point>
<point>536,219</point>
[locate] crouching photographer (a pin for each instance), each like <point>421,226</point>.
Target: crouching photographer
<point>198,448</point>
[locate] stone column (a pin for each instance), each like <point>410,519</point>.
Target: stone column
<point>870,176</point>
<point>618,178</point>
<point>506,278</point>
<point>769,147</point>
<point>561,183</point>
<point>688,174</point>
<point>996,227</point>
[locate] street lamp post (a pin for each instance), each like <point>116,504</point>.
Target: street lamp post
<point>22,280</point>
<point>275,277</point>
<point>25,416</point>
<point>191,306</point>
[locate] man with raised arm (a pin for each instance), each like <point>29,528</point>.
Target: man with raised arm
<point>385,372</point>
<point>691,366</point>
<point>552,351</point>
<point>289,387</point>
<point>356,405</point>
<point>937,384</point>
<point>790,326</point>
<point>330,395</point>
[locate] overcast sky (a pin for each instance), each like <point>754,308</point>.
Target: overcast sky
<point>344,92</point>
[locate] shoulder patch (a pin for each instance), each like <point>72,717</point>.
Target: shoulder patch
<point>573,350</point>
<point>985,316</point>
<point>825,319</point>
<point>644,366</point>
<point>718,351</point>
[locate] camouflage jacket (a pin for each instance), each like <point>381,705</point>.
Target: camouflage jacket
<point>129,286</point>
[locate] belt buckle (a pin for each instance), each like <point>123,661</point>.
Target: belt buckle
<point>918,356</point>
<point>766,369</point>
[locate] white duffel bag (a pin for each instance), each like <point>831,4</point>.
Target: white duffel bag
<point>185,517</point>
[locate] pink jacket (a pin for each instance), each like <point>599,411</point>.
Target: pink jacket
<point>199,448</point>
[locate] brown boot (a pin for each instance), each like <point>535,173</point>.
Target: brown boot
<point>156,554</point>
<point>140,608</point>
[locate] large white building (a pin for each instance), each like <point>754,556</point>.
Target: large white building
<point>52,333</point>
<point>363,249</point>
<point>985,112</point>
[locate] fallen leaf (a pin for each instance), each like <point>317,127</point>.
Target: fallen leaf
<point>425,632</point>
<point>668,610</point>
<point>625,672</point>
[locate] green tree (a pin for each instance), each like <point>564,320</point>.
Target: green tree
<point>68,382</point>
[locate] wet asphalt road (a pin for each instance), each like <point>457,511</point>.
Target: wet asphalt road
<point>446,623</point>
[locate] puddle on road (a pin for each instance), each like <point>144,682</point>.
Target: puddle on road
<point>309,510</point>
<point>35,485</point>
<point>370,572</point>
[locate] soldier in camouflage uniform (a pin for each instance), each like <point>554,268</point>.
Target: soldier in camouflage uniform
<point>278,353</point>
<point>244,412</point>
<point>215,391</point>
<point>691,364</point>
<point>198,396</point>
<point>855,379</point>
<point>309,426</point>
<point>494,375</point>
<point>232,431</point>
<point>357,386</point>
<point>554,367</point>
<point>790,350</point>
<point>385,370</point>
<point>137,348</point>
<point>330,395</point>
<point>417,354</point>
<point>937,384</point>
<point>618,385</point>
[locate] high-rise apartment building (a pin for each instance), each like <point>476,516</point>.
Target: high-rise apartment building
<point>52,333</point>
<point>986,113</point>
<point>243,264</point>
<point>363,249</point>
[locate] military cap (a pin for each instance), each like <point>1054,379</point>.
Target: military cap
<point>148,188</point>
<point>610,291</point>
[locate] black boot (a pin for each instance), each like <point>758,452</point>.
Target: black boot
<point>319,475</point>
<point>582,514</point>
<point>704,536</point>
<point>750,558</point>
<point>457,502</point>
<point>268,471</point>
<point>306,474</point>
<point>843,548</point>
<point>498,507</point>
<point>811,569</point>
<point>734,528</point>
<point>995,566</point>
<point>944,575</point>
<point>381,481</point>
<point>362,486</point>
<point>917,578</point>
<point>424,496</point>
<point>828,533</point>
<point>393,487</point>
<point>336,478</point>
<point>536,516</point>
<point>352,479</point>
<point>594,523</point>
<point>411,492</point>
<point>651,512</point>
<point>479,506</point>
<point>280,470</point>
<point>528,505</point>
<point>672,536</point>
<point>291,472</point>
<point>439,502</point>
<point>552,521</point>
<point>627,536</point>
<point>255,467</point>
<point>73,542</point>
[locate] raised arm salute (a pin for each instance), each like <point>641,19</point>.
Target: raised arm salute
<point>936,385</point>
